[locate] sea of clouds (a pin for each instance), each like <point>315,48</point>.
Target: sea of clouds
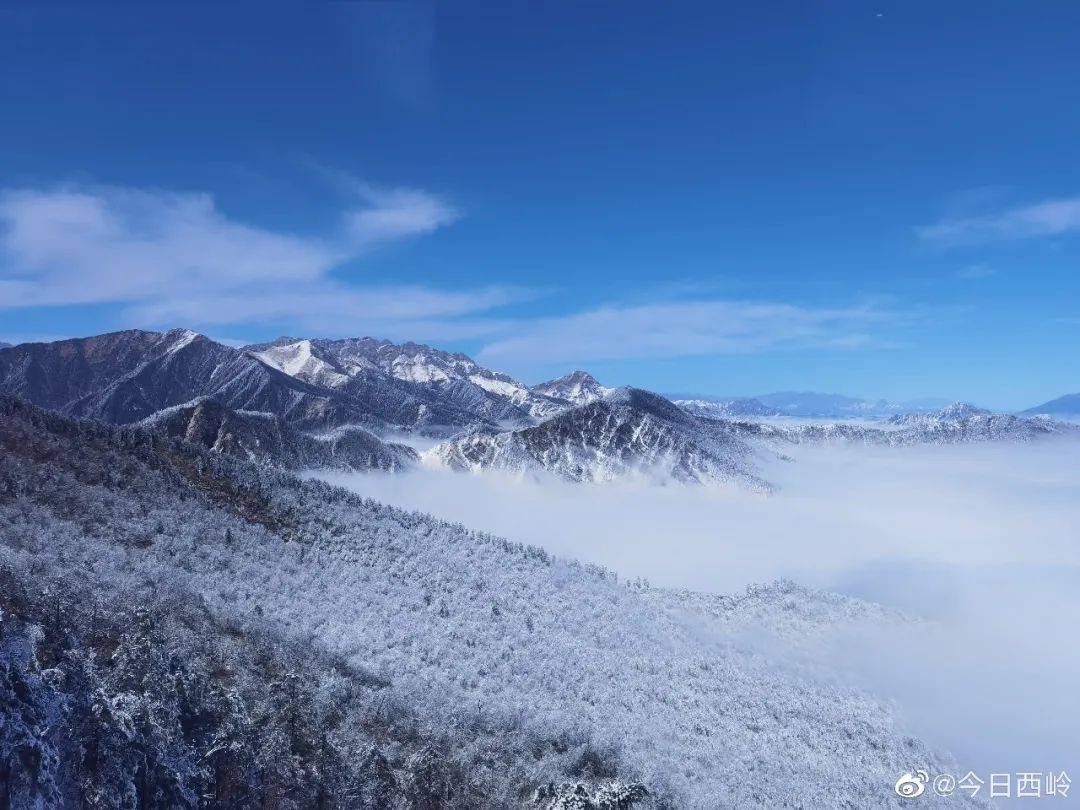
<point>980,541</point>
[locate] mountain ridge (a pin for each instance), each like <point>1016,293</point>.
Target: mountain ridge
<point>1066,405</point>
<point>267,438</point>
<point>629,432</point>
<point>126,376</point>
<point>452,377</point>
<point>808,404</point>
<point>959,423</point>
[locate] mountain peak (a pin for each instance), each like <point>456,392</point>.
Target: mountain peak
<point>961,410</point>
<point>578,387</point>
<point>646,401</point>
<point>177,339</point>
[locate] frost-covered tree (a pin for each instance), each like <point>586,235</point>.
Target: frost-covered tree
<point>155,664</point>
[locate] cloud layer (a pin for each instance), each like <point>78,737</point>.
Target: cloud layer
<point>176,259</point>
<point>979,540</point>
<point>687,328</point>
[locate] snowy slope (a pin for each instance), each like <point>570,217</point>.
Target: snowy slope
<point>123,377</point>
<point>451,378</point>
<point>266,438</point>
<point>298,360</point>
<point>532,665</point>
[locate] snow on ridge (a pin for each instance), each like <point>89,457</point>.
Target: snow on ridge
<point>417,368</point>
<point>497,386</point>
<point>183,337</point>
<point>629,434</point>
<point>298,360</point>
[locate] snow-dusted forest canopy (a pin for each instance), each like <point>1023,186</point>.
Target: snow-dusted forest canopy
<point>184,629</point>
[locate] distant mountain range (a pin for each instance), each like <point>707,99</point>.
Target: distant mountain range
<point>304,403</point>
<point>959,423</point>
<point>806,404</point>
<point>1068,405</point>
<point>728,408</point>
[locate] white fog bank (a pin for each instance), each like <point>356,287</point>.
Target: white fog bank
<point>839,513</point>
<point>983,540</point>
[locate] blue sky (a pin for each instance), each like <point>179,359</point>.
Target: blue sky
<point>878,199</point>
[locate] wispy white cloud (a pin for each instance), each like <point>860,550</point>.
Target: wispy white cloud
<point>396,213</point>
<point>76,246</point>
<point>688,328</point>
<point>170,258</point>
<point>1047,218</point>
<point>331,309</point>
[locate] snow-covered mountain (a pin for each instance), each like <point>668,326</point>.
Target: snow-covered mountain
<point>124,377</point>
<point>957,424</point>
<point>627,433</point>
<point>283,641</point>
<point>727,408</point>
<point>453,379</point>
<point>812,404</point>
<point>963,422</point>
<point>577,388</point>
<point>266,438</point>
<point>957,412</point>
<point>1068,405</point>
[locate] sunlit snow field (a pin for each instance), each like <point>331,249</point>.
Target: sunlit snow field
<point>983,541</point>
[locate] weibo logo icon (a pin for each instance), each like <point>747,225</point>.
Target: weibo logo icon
<point>912,785</point>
